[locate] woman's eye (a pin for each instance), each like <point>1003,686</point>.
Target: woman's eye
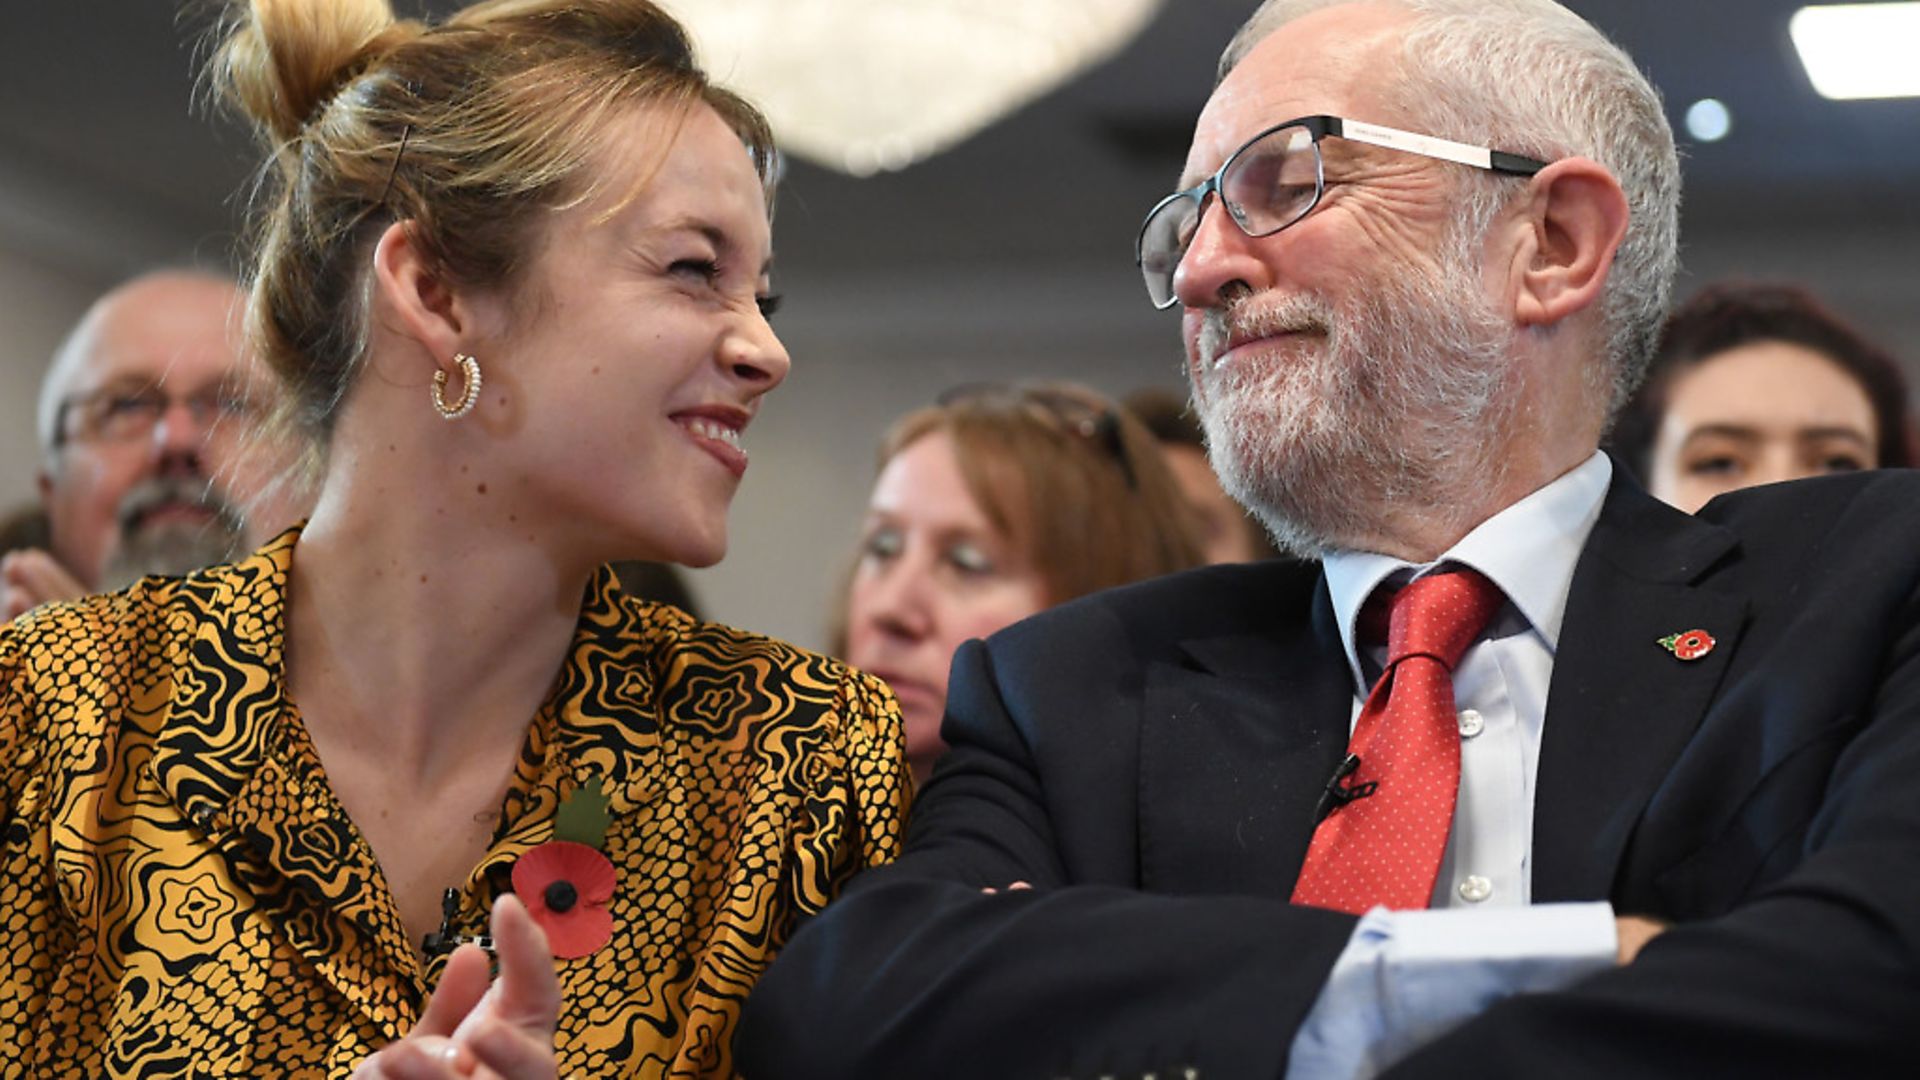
<point>969,559</point>
<point>1721,465</point>
<point>882,544</point>
<point>1843,463</point>
<point>768,304</point>
<point>706,270</point>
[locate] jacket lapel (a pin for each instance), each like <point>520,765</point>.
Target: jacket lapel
<point>228,760</point>
<point>1238,738</point>
<point>1621,706</point>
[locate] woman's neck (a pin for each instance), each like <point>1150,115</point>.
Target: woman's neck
<point>424,627</point>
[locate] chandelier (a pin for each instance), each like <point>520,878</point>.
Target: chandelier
<point>866,86</point>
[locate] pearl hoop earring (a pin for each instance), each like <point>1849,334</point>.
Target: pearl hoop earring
<point>469,391</point>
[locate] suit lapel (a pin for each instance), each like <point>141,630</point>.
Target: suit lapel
<point>1620,706</point>
<point>1238,739</point>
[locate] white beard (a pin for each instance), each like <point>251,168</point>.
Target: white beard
<point>171,548</point>
<point>1394,410</point>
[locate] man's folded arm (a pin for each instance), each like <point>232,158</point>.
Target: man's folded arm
<point>1811,975</point>
<point>917,971</point>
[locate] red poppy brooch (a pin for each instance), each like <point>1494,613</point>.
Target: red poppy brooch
<point>566,883</point>
<point>1691,645</point>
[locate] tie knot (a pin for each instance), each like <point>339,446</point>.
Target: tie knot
<point>1440,615</point>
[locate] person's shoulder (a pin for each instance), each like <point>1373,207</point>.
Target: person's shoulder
<point>1846,534</point>
<point>668,627</point>
<point>143,623</point>
<point>66,666</point>
<point>91,629</point>
<point>686,647</point>
<point>1206,600</point>
<point>1849,507</point>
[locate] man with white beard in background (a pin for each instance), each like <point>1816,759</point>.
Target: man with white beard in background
<point>151,460</point>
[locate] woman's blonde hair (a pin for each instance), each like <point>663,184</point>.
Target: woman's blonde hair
<point>470,130</point>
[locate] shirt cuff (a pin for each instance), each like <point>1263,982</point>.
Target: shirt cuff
<point>1407,977</point>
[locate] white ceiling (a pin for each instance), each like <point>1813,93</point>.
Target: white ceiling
<point>106,165</point>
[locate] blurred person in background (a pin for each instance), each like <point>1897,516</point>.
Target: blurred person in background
<point>151,460</point>
<point>512,272</point>
<point>1228,534</point>
<point>24,526</point>
<point>994,503</point>
<point>1758,383</point>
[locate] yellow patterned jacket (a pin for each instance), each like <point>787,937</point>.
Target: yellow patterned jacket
<point>181,893</point>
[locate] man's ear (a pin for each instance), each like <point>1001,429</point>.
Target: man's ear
<point>1575,218</point>
<point>415,298</point>
<point>43,483</point>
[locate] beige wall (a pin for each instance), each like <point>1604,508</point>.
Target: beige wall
<point>38,304</point>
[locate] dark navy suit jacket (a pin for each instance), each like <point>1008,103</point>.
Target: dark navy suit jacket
<point>1149,760</point>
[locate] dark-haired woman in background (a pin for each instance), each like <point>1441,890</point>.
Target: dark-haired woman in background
<point>1754,384</point>
<point>515,283</point>
<point>993,504</point>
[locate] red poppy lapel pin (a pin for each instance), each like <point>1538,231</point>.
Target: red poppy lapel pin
<point>567,882</point>
<point>1689,644</point>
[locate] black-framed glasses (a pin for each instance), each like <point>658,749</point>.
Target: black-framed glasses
<point>125,414</point>
<point>1275,179</point>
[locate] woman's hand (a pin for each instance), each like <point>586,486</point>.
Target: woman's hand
<point>472,1031</point>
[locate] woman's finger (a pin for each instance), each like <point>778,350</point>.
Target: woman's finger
<point>420,1057</point>
<point>512,1052</point>
<point>463,982</point>
<point>527,994</point>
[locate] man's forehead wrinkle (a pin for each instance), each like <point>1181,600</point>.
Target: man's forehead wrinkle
<point>1330,61</point>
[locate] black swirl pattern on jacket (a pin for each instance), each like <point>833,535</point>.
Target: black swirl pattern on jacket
<point>182,893</point>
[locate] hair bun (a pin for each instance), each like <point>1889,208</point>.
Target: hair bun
<point>283,60</point>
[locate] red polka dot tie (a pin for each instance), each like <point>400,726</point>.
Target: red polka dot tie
<point>1383,841</point>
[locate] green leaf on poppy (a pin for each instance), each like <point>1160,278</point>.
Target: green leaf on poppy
<point>1671,642</point>
<point>582,817</point>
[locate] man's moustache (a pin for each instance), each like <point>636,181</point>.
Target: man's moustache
<point>153,495</point>
<point>1259,315</point>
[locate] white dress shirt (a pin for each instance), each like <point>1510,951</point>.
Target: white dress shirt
<point>1407,976</point>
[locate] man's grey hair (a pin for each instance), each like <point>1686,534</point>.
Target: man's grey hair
<point>1530,77</point>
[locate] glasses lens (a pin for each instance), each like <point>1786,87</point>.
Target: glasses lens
<point>1273,181</point>
<point>1163,242</point>
<point>1269,184</point>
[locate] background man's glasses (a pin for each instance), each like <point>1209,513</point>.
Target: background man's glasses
<point>1276,179</point>
<point>123,415</point>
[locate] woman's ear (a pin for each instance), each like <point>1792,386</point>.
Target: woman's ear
<point>415,297</point>
<point>1575,217</point>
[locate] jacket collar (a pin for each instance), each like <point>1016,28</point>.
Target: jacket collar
<point>231,755</point>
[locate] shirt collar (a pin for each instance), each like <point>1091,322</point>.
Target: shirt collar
<point>1529,550</point>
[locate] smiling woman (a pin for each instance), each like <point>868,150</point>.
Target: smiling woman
<point>514,275</point>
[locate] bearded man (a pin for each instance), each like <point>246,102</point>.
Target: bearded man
<point>151,460</point>
<point>1528,775</point>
